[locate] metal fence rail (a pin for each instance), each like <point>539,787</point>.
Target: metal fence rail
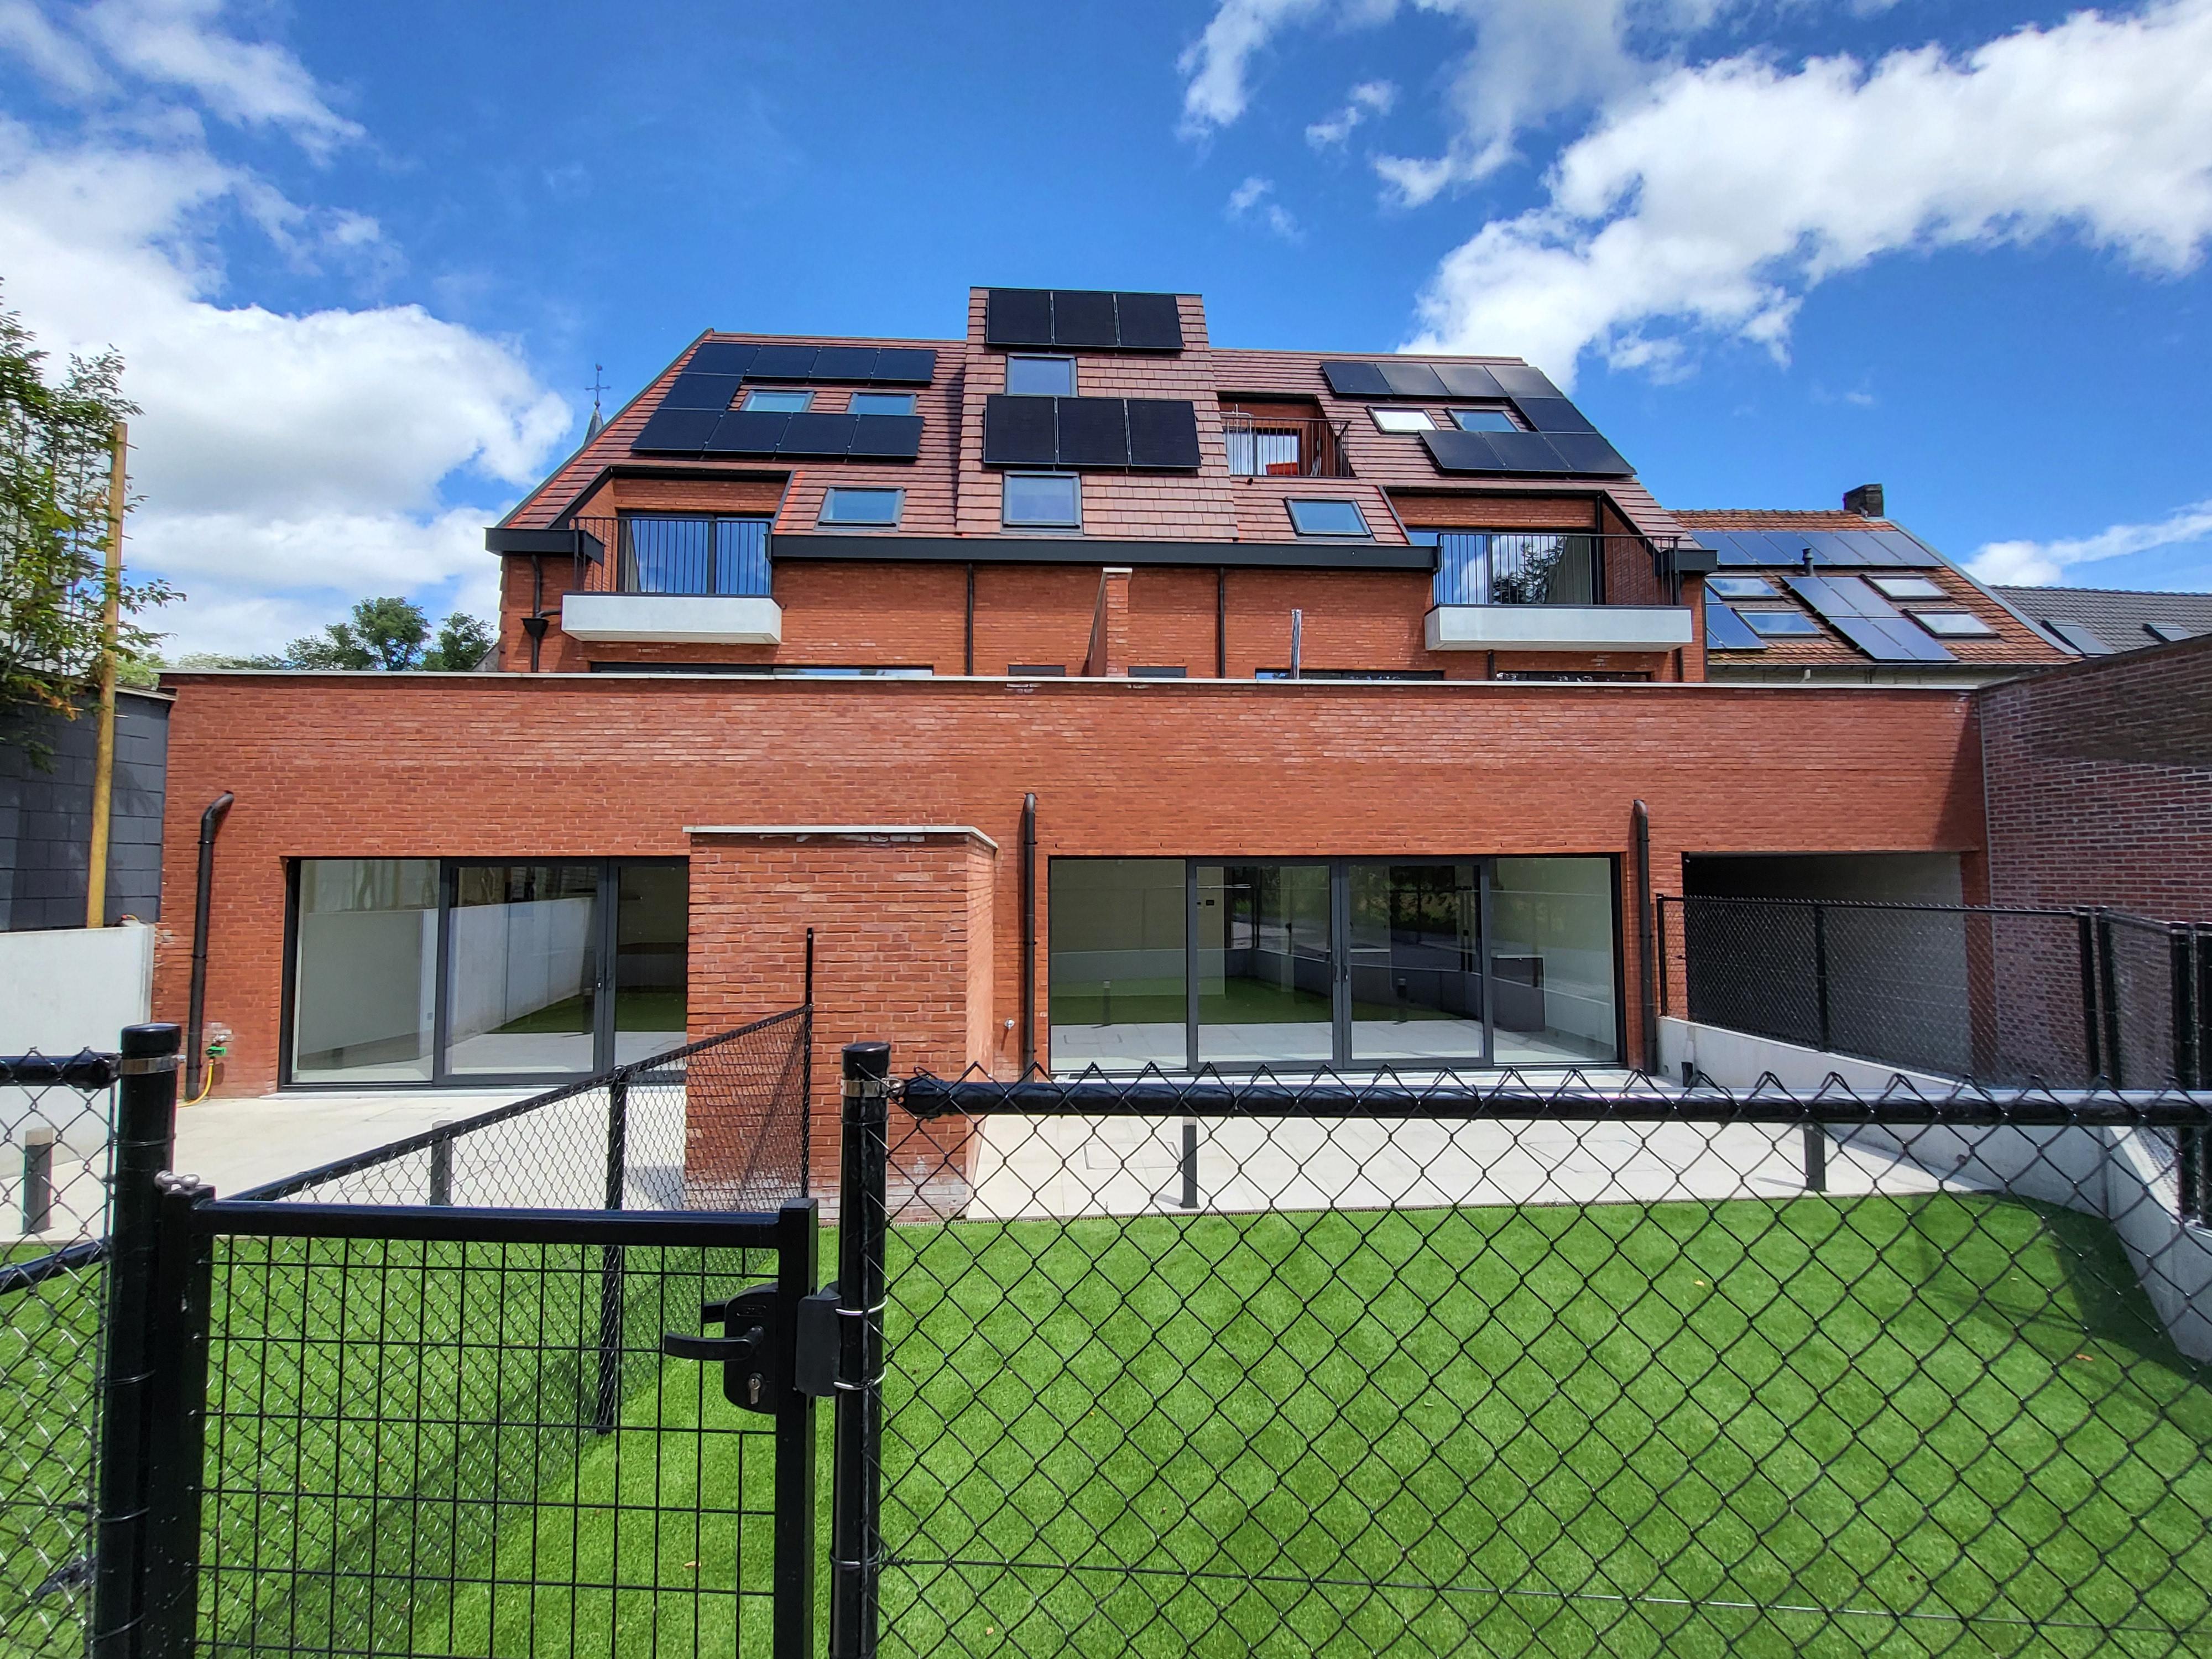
<point>56,1122</point>
<point>1441,1365</point>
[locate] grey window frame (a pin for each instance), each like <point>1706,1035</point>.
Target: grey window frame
<point>1292,503</point>
<point>1511,425</point>
<point>1013,357</point>
<point>897,493</point>
<point>907,398</point>
<point>1074,480</point>
<point>1376,411</point>
<point>752,392</point>
<point>1980,630</point>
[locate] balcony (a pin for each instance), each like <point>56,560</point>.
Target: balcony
<point>669,578</point>
<point>1521,590</point>
<point>1271,446</point>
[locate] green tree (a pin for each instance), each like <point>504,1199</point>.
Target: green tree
<point>463,643</point>
<point>388,635</point>
<point>56,441</point>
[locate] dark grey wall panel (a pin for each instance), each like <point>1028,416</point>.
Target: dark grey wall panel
<point>45,818</point>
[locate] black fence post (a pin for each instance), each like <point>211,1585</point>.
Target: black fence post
<point>1820,969</point>
<point>1189,1163</point>
<point>441,1167</point>
<point>176,1439</point>
<point>2092,1026</point>
<point>1816,1157</point>
<point>612,1262</point>
<point>806,1077</point>
<point>2108,977</point>
<point>38,1177</point>
<point>797,1262</point>
<point>145,1127</point>
<point>856,1454</point>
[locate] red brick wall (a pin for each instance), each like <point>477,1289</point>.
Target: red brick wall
<point>511,766</point>
<point>2100,779</point>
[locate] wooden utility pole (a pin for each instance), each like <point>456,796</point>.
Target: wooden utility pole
<point>110,623</point>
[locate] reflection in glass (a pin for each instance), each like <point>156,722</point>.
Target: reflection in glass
<point>365,974</point>
<point>1116,969</point>
<point>523,951</point>
<point>1416,961</point>
<point>652,934</point>
<point>1551,963</point>
<point>1263,964</point>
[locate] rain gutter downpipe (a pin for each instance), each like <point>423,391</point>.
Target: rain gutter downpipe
<point>1646,962</point>
<point>195,1058</point>
<point>1028,933</point>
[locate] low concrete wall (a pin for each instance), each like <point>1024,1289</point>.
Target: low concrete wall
<point>2126,1177</point>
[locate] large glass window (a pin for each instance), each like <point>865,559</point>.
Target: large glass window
<point>365,993</point>
<point>1307,964</point>
<point>1493,567</point>
<point>1551,960</point>
<point>1264,965</point>
<point>1118,997</point>
<point>521,970</point>
<point>725,555</point>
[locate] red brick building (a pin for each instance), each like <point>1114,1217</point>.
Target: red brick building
<point>1335,682</point>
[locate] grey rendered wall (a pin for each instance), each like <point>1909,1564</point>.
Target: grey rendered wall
<point>45,818</point>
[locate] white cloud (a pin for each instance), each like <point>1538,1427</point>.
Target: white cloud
<point>1717,199</point>
<point>289,463</point>
<point>179,43</point>
<point>2038,564</point>
<point>1217,62</point>
<point>1369,97</point>
<point>1250,200</point>
<point>62,63</point>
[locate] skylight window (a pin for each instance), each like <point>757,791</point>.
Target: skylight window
<point>876,508</point>
<point>1041,377</point>
<point>1402,420</point>
<point>1952,624</point>
<point>1781,625</point>
<point>882,403</point>
<point>1328,518</point>
<point>1907,588</point>
<point>1740,588</point>
<point>1050,501</point>
<point>779,402</point>
<point>1483,420</point>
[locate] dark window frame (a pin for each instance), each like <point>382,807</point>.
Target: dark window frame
<point>1073,480</point>
<point>896,492</point>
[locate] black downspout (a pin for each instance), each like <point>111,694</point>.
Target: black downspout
<point>210,821</point>
<point>534,624</point>
<point>968,648</point>
<point>1221,622</point>
<point>1028,933</point>
<point>1646,956</point>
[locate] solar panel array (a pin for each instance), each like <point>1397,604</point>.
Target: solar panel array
<point>1080,319</point>
<point>803,437</point>
<point>1402,376</point>
<point>1853,608</point>
<point>1847,550</point>
<point>1727,631</point>
<point>1079,432</point>
<point>846,365</point>
<point>1562,441</point>
<point>1531,454</point>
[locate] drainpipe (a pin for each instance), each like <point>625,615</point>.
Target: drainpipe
<point>968,634</point>
<point>534,623</point>
<point>1028,933</point>
<point>210,821</point>
<point>1646,956</point>
<point>1221,622</point>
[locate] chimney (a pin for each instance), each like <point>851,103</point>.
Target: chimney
<point>1865,501</point>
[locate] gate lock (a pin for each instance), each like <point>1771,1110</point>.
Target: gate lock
<point>764,1359</point>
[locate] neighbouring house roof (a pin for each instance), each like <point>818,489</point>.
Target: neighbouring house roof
<point>2116,619</point>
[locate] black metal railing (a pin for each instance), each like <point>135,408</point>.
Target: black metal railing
<point>698,554</point>
<point>1356,1366</point>
<point>1273,447</point>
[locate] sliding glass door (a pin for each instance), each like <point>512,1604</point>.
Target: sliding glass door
<point>418,970</point>
<point>1301,964</point>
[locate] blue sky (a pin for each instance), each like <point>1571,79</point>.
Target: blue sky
<point>363,259</point>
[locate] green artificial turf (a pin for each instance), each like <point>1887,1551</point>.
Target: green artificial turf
<point>1809,1426</point>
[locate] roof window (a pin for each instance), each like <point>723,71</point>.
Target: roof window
<point>1952,624</point>
<point>881,402</point>
<point>1907,588</point>
<point>1041,377</point>
<point>1483,420</point>
<point>1051,501</point>
<point>877,507</point>
<point>1328,518</point>
<point>1781,625</point>
<point>1740,588</point>
<point>1402,420</point>
<point>779,402</point>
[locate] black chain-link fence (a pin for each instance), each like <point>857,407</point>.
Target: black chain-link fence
<point>56,1122</point>
<point>2003,996</point>
<point>1471,1366</point>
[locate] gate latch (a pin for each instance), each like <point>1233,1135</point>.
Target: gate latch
<point>755,1363</point>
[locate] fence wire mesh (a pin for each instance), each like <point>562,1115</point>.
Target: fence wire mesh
<point>56,1122</point>
<point>1499,1365</point>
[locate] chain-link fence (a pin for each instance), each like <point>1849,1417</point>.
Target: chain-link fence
<point>1462,1365</point>
<point>56,1122</point>
<point>2004,996</point>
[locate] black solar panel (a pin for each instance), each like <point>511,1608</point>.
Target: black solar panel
<point>1082,320</point>
<point>1017,317</point>
<point>1468,380</point>
<point>1841,596</point>
<point>1453,450</point>
<point>1587,452</point>
<point>1526,452</point>
<point>748,432</point>
<point>692,391</point>
<point>1553,415</point>
<point>844,363</point>
<point>1725,630</point>
<point>905,366</point>
<point>1150,322</point>
<point>721,358</point>
<point>1407,380</point>
<point>1518,380</point>
<point>818,435</point>
<point>783,362</point>
<point>1093,432</point>
<point>1887,640</point>
<point>1018,431</point>
<point>1356,380</point>
<point>1843,550</point>
<point>1163,433</point>
<point>677,431</point>
<point>886,437</point>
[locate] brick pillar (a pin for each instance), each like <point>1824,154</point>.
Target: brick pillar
<point>1692,658</point>
<point>903,927</point>
<point>1109,624</point>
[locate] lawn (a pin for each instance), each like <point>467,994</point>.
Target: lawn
<point>1621,1429</point>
